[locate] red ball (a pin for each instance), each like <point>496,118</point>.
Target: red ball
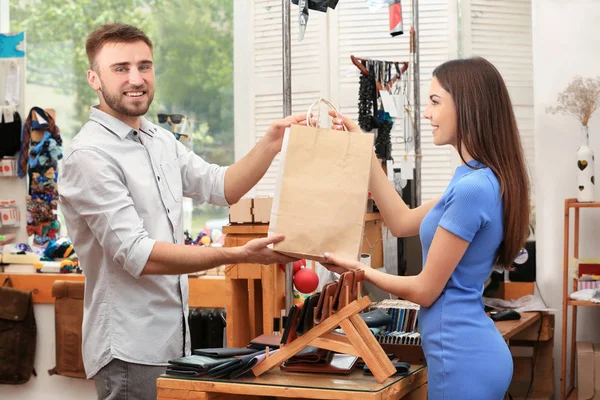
<point>306,281</point>
<point>297,266</point>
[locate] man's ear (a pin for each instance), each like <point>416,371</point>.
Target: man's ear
<point>93,79</point>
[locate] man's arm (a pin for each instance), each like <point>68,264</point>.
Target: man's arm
<point>243,175</point>
<point>176,259</point>
<point>98,195</point>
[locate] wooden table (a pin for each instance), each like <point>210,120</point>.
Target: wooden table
<point>278,384</point>
<point>534,331</point>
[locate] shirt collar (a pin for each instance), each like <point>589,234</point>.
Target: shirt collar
<point>118,127</point>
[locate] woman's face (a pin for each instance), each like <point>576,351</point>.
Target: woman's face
<point>441,113</point>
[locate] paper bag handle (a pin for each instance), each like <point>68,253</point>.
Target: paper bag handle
<point>318,102</point>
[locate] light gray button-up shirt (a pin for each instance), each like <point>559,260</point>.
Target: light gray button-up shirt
<point>121,191</point>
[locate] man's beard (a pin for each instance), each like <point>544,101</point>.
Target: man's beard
<point>116,102</point>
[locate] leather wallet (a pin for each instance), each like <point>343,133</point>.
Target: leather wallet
<point>338,364</point>
<point>306,319</point>
<point>376,318</point>
<point>200,363</point>
<point>289,330</point>
<point>323,307</point>
<point>345,292</point>
<point>261,342</point>
<point>216,352</point>
<point>311,355</point>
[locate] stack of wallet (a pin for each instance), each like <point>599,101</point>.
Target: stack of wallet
<point>225,363</point>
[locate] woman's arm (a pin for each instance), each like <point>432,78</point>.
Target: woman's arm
<point>445,252</point>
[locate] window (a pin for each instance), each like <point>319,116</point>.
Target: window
<point>193,52</point>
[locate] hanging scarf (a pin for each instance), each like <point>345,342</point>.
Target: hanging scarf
<point>29,125</point>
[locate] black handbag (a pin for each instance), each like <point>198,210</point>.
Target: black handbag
<point>18,332</point>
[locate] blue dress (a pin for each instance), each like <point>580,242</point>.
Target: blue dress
<point>467,358</point>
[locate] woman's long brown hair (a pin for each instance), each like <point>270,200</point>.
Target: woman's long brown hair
<point>487,129</point>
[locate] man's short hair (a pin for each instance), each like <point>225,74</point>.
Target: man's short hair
<point>113,33</point>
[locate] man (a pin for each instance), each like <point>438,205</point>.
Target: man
<point>120,192</point>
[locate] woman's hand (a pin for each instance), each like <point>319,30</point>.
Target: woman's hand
<point>339,121</point>
<point>341,265</point>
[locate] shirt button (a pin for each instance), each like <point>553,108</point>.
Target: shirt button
<point>158,177</point>
<point>168,211</point>
<point>134,133</point>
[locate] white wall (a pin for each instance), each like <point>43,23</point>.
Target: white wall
<point>566,39</point>
<point>44,386</point>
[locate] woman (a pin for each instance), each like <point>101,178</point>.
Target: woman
<point>481,219</point>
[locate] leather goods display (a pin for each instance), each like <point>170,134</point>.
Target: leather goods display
<point>337,364</point>
<point>289,330</point>
<point>18,333</point>
<point>206,327</point>
<point>218,352</point>
<point>324,305</point>
<point>306,318</point>
<point>218,368</point>
<point>68,317</point>
<point>336,295</point>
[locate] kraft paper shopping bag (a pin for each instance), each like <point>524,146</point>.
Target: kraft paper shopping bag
<point>321,192</point>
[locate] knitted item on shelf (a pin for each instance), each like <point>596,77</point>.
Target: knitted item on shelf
<point>39,160</point>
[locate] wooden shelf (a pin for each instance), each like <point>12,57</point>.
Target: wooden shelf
<point>571,228</point>
<point>205,291</point>
<point>582,303</point>
<point>572,203</point>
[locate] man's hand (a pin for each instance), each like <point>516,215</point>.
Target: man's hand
<point>274,134</point>
<point>257,252</point>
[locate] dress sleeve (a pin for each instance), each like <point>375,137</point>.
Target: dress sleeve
<point>469,206</point>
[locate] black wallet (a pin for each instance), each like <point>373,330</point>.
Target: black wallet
<point>306,319</point>
<point>216,352</point>
<point>200,363</point>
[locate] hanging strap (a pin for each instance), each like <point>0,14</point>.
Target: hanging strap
<point>318,104</point>
<point>7,282</point>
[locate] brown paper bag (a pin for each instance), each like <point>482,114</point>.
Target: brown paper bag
<point>321,193</point>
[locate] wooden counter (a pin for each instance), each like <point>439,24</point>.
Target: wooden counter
<point>278,384</point>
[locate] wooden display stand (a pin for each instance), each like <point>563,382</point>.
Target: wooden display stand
<point>567,302</point>
<point>256,293</point>
<point>359,341</point>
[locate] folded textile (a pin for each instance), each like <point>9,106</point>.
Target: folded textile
<point>402,368</point>
<point>376,318</point>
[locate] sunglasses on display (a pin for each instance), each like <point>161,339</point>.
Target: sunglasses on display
<point>179,135</point>
<point>173,118</point>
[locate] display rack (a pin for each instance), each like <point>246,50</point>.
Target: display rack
<point>12,61</point>
<point>567,302</point>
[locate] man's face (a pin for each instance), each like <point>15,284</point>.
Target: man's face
<point>124,76</point>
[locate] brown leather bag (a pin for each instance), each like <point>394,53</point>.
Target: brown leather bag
<point>68,314</point>
<point>18,333</point>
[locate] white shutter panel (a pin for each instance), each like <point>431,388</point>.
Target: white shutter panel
<point>365,34</point>
<point>321,67</point>
<point>500,31</point>
<point>262,72</point>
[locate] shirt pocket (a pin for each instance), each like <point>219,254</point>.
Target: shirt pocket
<point>172,175</point>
